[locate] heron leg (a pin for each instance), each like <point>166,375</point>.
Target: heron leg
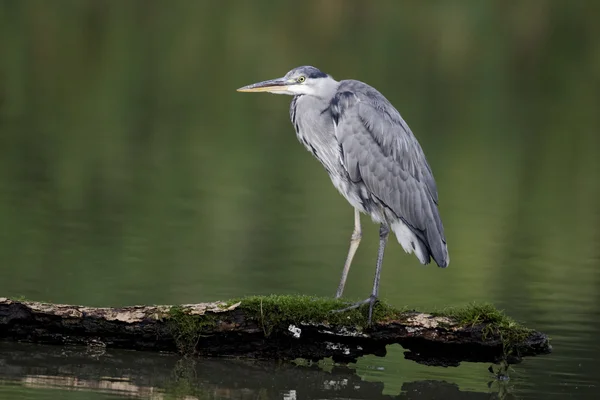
<point>354,242</point>
<point>384,232</point>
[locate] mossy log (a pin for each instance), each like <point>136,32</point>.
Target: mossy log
<point>278,327</point>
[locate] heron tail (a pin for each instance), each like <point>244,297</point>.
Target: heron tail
<point>425,245</point>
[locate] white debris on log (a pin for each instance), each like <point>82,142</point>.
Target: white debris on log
<point>429,321</point>
<point>295,331</point>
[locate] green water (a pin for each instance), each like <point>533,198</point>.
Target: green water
<point>132,172</point>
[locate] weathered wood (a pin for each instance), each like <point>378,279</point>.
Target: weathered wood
<point>224,329</point>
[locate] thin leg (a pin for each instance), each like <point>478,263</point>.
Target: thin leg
<point>354,242</point>
<point>384,232</point>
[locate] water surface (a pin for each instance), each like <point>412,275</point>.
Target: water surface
<point>131,172</point>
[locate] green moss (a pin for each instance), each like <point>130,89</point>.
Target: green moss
<point>279,311</point>
<point>188,329</point>
<point>496,323</point>
<point>276,310</point>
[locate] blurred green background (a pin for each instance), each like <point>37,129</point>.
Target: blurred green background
<point>131,171</point>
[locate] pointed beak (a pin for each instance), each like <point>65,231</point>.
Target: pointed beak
<point>273,85</point>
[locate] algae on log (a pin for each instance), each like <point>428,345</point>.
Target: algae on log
<point>278,327</point>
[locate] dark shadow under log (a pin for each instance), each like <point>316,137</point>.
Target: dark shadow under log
<point>148,375</point>
<point>277,327</point>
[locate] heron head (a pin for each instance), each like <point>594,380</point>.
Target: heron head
<point>300,80</point>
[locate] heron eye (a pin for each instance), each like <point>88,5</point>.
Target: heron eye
<point>301,79</point>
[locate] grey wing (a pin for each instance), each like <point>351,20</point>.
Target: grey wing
<point>378,148</point>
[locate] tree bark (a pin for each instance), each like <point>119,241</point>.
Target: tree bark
<point>221,329</point>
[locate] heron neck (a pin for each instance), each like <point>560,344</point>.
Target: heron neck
<point>326,88</point>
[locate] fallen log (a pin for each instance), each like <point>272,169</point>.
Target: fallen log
<point>278,327</point>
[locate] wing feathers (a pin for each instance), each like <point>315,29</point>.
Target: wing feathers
<point>378,148</point>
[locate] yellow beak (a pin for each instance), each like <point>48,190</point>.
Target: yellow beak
<point>273,85</point>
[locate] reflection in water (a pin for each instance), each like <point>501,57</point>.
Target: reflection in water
<point>151,376</point>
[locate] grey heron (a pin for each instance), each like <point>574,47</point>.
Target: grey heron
<point>373,160</point>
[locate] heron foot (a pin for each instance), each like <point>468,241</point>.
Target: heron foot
<point>371,300</point>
